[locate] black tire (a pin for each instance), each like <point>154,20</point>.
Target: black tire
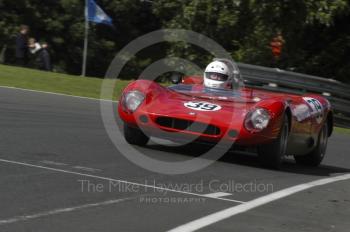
<point>315,157</point>
<point>271,155</point>
<point>135,136</point>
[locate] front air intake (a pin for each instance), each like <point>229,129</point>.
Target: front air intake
<point>187,125</point>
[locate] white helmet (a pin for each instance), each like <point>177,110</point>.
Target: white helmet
<point>217,75</point>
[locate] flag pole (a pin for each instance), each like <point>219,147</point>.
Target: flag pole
<point>86,40</point>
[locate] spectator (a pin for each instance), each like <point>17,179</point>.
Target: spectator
<point>33,46</point>
<point>22,46</point>
<point>277,45</point>
<point>45,59</point>
<point>34,50</point>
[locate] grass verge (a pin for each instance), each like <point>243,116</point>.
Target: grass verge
<point>55,82</point>
<point>342,130</point>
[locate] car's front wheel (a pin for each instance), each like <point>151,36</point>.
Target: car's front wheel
<point>315,157</point>
<point>271,155</point>
<point>135,136</point>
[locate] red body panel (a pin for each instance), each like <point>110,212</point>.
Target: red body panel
<point>165,102</point>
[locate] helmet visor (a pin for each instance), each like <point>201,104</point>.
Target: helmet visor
<point>216,76</point>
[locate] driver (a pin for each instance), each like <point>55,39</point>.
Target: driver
<point>218,75</point>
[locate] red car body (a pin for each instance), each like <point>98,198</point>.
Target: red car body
<point>164,112</point>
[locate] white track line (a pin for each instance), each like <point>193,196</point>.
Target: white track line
<point>229,212</point>
<point>115,180</point>
<point>49,162</point>
<point>58,94</point>
<point>87,169</point>
<point>218,194</point>
<point>60,211</point>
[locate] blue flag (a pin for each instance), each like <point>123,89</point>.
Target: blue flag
<point>96,14</point>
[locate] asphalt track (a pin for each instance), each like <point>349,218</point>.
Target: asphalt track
<point>59,171</point>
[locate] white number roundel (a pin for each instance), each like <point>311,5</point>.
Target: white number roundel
<point>316,108</point>
<point>202,106</point>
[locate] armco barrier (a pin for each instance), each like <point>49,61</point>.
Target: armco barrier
<point>336,92</point>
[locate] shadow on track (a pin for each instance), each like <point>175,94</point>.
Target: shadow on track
<point>249,159</point>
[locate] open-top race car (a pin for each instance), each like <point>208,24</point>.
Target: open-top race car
<point>218,108</point>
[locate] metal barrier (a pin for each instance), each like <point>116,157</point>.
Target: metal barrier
<point>336,92</point>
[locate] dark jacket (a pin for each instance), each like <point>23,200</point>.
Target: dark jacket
<point>45,60</point>
<point>21,46</point>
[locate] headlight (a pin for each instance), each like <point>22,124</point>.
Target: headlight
<point>133,99</point>
<point>257,120</point>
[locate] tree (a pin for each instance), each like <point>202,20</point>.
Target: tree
<point>316,32</point>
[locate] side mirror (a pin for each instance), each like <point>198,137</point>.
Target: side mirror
<point>176,78</point>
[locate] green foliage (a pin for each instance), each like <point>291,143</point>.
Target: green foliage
<point>316,32</point>
<point>316,41</point>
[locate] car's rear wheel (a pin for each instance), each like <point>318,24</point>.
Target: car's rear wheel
<point>271,155</point>
<point>135,136</point>
<point>315,157</point>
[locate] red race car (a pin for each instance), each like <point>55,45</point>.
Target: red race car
<point>216,108</point>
